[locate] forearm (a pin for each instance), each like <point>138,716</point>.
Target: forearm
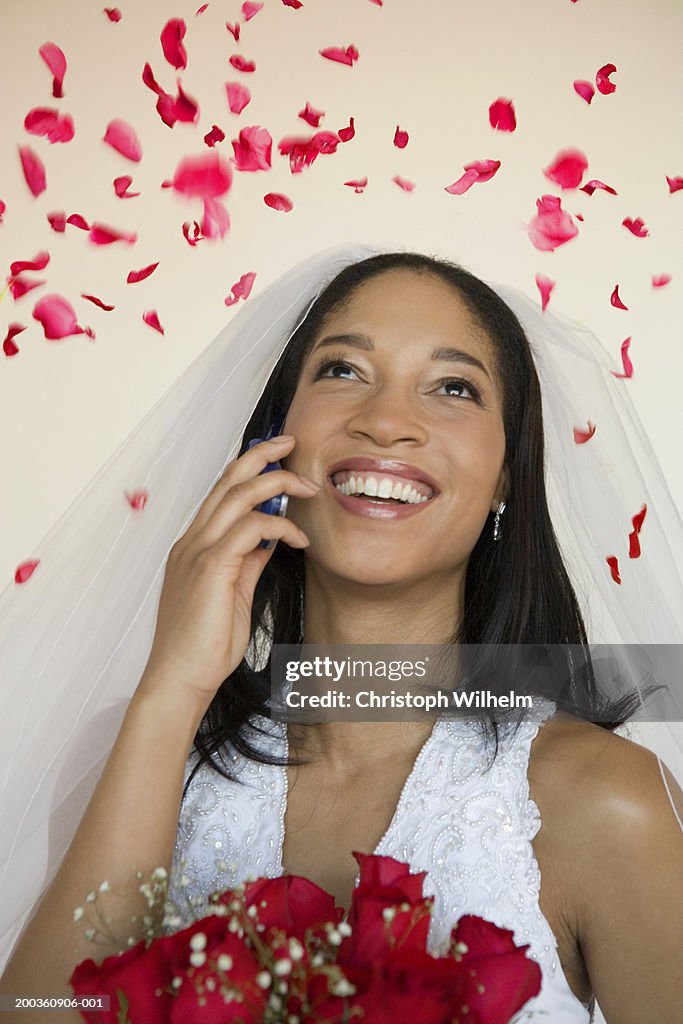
<point>131,820</point>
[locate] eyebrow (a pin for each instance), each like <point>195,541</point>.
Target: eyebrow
<point>443,354</point>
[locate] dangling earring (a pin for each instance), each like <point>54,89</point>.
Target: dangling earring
<point>496,521</point>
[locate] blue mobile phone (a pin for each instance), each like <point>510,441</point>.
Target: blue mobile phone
<point>276,506</point>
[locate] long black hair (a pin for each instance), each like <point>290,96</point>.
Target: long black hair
<point>517,591</point>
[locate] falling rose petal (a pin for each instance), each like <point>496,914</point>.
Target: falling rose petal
<point>403,183</point>
<point>185,108</point>
<point>77,221</point>
<point>626,362</point>
<point>568,168</point>
<point>57,316</point>
<point>581,436</point>
<point>56,61</point>
<point>24,571</point>
<point>249,9</point>
<point>552,226</point>
<point>97,302</point>
<point>636,227</point>
<point>358,184</point>
<point>139,275</point>
<point>586,90</point>
<point>341,56</point>
<point>633,538</point>
<point>172,36</point>
<point>615,300</point>
<point>238,96</point>
<point>613,564</point>
<point>400,138</point>
<point>3,207</point>
<point>675,184</point>
<point>311,115</point>
<point>242,64</point>
<point>242,289</point>
<point>113,13</point>
<point>278,201</point>
<point>34,170</point>
<point>123,138</point>
<point>545,285</point>
<point>171,109</point>
<point>464,182</point>
<point>57,220</point>
<point>602,79</point>
<point>45,121</point>
<point>8,346</point>
<point>138,499</point>
<point>200,10</point>
<point>151,318</point>
<point>377,3</point>
<point>216,219</point>
<point>192,232</point>
<point>21,285</point>
<point>485,168</point>
<point>253,149</point>
<point>39,262</point>
<point>302,151</point>
<point>295,4</point>
<point>659,280</point>
<point>100,234</point>
<point>215,135</point>
<point>121,186</point>
<point>639,518</point>
<point>234,30</point>
<point>590,187</point>
<point>502,115</point>
<point>207,176</point>
<point>346,134</point>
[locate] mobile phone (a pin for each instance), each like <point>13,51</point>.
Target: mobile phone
<point>276,506</point>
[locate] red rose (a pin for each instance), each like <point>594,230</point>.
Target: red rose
<point>235,997</point>
<point>292,903</point>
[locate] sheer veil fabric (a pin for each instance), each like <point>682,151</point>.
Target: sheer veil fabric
<point>75,637</point>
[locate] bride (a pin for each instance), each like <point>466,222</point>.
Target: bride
<point>404,368</point>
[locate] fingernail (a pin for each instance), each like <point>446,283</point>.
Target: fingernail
<point>309,483</point>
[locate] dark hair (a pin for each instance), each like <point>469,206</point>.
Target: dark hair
<point>516,591</point>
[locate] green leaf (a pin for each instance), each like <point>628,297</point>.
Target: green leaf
<point>122,1015</point>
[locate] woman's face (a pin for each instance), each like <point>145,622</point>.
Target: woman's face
<point>394,401</point>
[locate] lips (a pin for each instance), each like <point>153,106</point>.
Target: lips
<point>390,467</point>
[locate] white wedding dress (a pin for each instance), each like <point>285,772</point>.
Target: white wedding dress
<point>469,828</point>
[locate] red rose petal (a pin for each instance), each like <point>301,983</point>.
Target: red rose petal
<point>626,361</point>
<point>586,90</point>
<point>122,137</point>
<point>615,300</point>
<point>97,302</point>
<point>581,436</point>
<point>242,64</point>
<point>34,170</point>
<point>502,115</point>
<point>38,262</point>
<point>346,134</point>
<point>172,36</point>
<point>400,138</point>
<point>242,289</point>
<point>639,518</point>
<point>633,545</point>
<point>250,9</point>
<point>185,108</point>
<point>121,186</point>
<point>278,201</point>
<point>296,4</point>
<point>477,171</point>
<point>57,316</point>
<point>24,571</point>
<point>403,183</point>
<point>8,347</point>
<point>3,207</point>
<point>234,30</point>
<point>113,13</point>
<point>464,182</point>
<point>357,184</point>
<point>139,275</point>
<point>602,79</point>
<point>56,61</point>
<point>45,121</point>
<point>215,135</point>
<point>78,222</point>
<point>552,226</point>
<point>207,176</point>
<point>19,286</point>
<point>613,563</point>
<point>170,109</point>
<point>636,227</point>
<point>341,56</point>
<point>302,151</point>
<point>311,115</point>
<point>216,220</point>
<point>659,280</point>
<point>138,499</point>
<point>253,149</point>
<point>568,168</point>
<point>57,220</point>
<point>200,10</point>
<point>238,96</point>
<point>590,187</point>
<point>101,234</point>
<point>675,184</point>
<point>193,229</point>
<point>545,286</point>
<point>151,318</point>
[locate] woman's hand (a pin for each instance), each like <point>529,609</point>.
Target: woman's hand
<point>204,617</point>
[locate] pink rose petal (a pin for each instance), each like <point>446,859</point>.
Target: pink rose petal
<point>302,151</point>
<point>57,220</point>
<point>113,13</point>
<point>357,184</point>
<point>613,564</point>
<point>24,571</point>
<point>278,201</point>
<point>78,222</point>
<point>216,219</point>
<point>200,10</point>
<point>586,90</point>
<point>192,232</point>
<point>122,137</point>
<point>545,286</point>
<point>121,186</point>
<point>56,61</point>
<point>234,30</point>
<point>659,280</point>
<point>675,184</point>
<point>151,318</point>
<point>57,316</point>
<point>3,207</point>
<point>615,300</point>
<point>139,275</point>
<point>552,226</point>
<point>100,234</point>
<point>464,182</point>
<point>242,64</point>
<point>590,187</point>
<point>346,134</point>
<point>170,109</point>
<point>45,121</point>
<point>207,176</point>
<point>215,135</point>
<point>242,289</point>
<point>581,436</point>
<point>38,262</point>
<point>602,79</point>
<point>295,4</point>
<point>8,346</point>
<point>502,115</point>
<point>253,149</point>
<point>403,183</point>
<point>311,115</point>
<point>568,168</point>
<point>172,36</point>
<point>636,227</point>
<point>34,170</point>
<point>97,302</point>
<point>138,499</point>
<point>238,96</point>
<point>185,108</point>
<point>250,9</point>
<point>477,171</point>
<point>626,361</point>
<point>400,138</point>
<point>341,56</point>
<point>19,286</point>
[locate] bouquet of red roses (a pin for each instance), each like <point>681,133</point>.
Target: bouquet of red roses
<point>278,951</point>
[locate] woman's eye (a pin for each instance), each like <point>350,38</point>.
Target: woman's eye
<point>466,388</point>
<point>330,365</point>
<point>462,385</point>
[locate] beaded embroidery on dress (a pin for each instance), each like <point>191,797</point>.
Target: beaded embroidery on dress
<point>468,827</point>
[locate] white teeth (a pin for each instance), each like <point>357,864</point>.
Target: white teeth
<point>383,489</point>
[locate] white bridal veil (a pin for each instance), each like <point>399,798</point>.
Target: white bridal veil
<point>76,635</point>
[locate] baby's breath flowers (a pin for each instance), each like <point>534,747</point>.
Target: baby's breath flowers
<point>147,927</point>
